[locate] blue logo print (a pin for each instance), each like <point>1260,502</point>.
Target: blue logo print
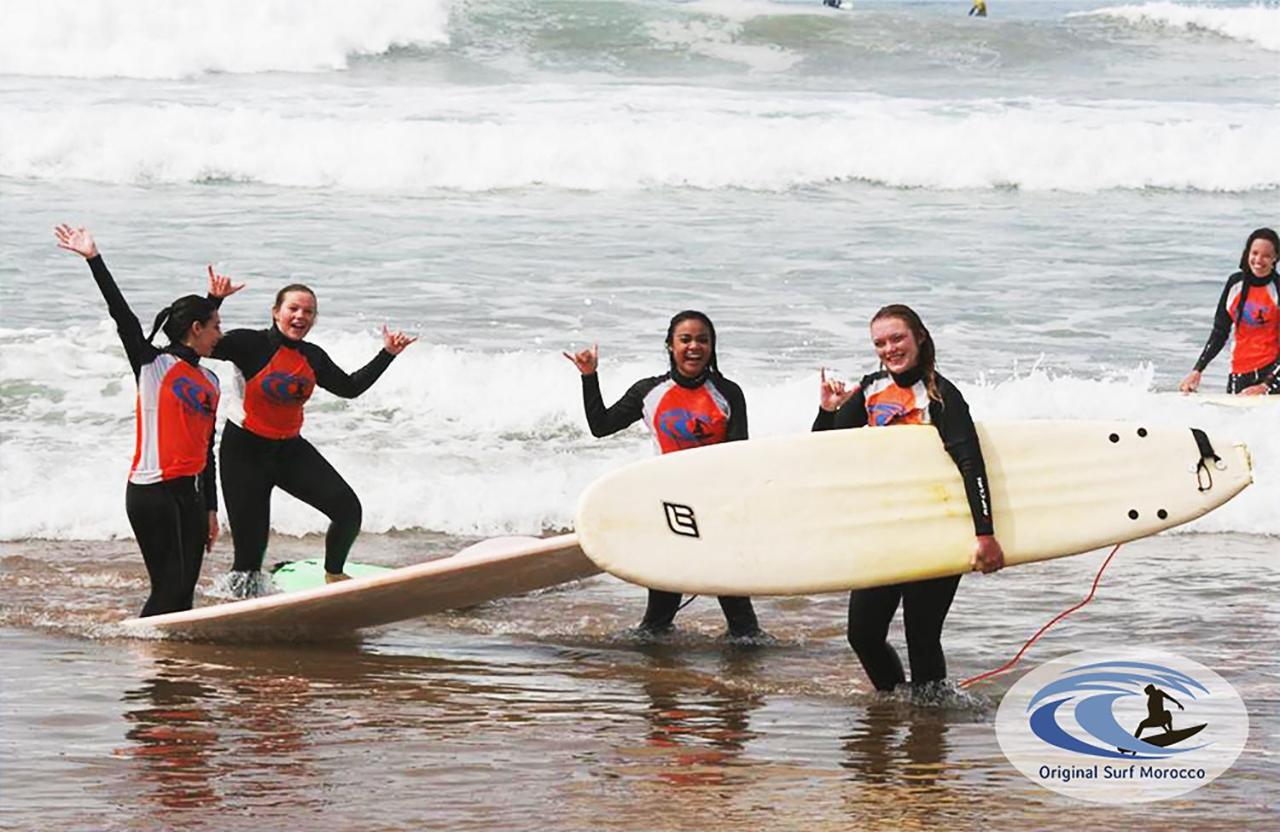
<point>1094,689</point>
<point>882,413</point>
<point>195,397</point>
<point>283,388</point>
<point>683,425</point>
<point>1255,314</point>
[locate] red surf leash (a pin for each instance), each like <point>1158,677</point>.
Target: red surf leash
<point>1042,630</point>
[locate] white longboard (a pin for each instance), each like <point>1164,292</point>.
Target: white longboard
<point>490,569</point>
<point>856,508</point>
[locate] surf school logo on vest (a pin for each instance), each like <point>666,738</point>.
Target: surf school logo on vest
<point>195,397</point>
<point>684,425</point>
<point>1255,314</point>
<point>1122,725</point>
<point>285,388</point>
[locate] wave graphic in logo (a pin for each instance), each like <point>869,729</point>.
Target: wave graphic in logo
<point>683,425</point>
<point>1255,314</point>
<point>284,388</point>
<point>882,413</point>
<point>1094,690</point>
<point>1122,725</point>
<point>195,397</point>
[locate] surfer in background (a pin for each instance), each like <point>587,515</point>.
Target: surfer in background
<point>688,406</point>
<point>978,9</point>
<point>171,498</point>
<point>1250,304</point>
<point>908,390</point>
<point>262,446</point>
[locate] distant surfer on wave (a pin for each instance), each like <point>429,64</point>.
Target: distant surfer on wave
<point>171,498</point>
<point>907,390</point>
<point>262,446</point>
<point>688,406</point>
<point>1249,307</point>
<point>978,9</point>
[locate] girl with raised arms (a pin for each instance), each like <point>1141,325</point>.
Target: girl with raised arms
<point>171,498</point>
<point>908,390</point>
<point>262,444</point>
<point>688,406</point>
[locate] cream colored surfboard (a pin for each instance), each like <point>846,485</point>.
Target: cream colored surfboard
<point>857,508</point>
<point>490,569</point>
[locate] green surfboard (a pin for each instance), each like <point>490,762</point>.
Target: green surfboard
<point>296,575</point>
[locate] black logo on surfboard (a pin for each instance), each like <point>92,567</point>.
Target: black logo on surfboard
<point>680,519</point>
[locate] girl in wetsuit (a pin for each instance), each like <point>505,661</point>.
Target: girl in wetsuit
<point>688,406</point>
<point>1250,304</point>
<point>907,390</point>
<point>262,443</point>
<point>171,499</point>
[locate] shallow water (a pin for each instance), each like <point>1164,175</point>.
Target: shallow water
<point>544,710</point>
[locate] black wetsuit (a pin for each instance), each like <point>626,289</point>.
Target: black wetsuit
<point>1257,353</point>
<point>266,449</point>
<point>171,484</point>
<point>680,413</point>
<point>924,603</point>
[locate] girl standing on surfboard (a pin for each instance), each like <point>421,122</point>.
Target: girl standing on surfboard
<point>1250,303</point>
<point>688,406</point>
<point>262,444</point>
<point>171,498</point>
<point>908,390</point>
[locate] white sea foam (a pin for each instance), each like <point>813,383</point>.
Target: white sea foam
<point>475,443</point>
<point>158,39</point>
<point>1257,25</point>
<point>599,139</point>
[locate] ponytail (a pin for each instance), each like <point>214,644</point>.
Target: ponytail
<point>176,318</point>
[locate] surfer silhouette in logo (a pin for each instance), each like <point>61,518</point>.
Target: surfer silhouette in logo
<point>1157,716</point>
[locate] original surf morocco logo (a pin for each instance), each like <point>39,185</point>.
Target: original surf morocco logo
<point>1122,725</point>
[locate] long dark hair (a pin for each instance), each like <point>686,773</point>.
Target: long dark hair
<point>692,315</point>
<point>1258,234</point>
<point>927,362</point>
<point>176,318</point>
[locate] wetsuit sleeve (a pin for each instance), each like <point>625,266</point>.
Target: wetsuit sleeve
<point>960,438</point>
<point>334,379</point>
<point>243,347</point>
<point>1221,330</point>
<point>626,411</point>
<point>736,430</point>
<point>209,477</point>
<point>136,347</point>
<point>851,414</point>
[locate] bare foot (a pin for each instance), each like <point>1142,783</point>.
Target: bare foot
<point>330,578</point>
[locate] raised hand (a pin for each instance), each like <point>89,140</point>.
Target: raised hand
<point>585,360</point>
<point>1191,382</point>
<point>833,392</point>
<point>220,286</point>
<point>395,342</point>
<point>76,239</point>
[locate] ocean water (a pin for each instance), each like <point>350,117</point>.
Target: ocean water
<point>1060,189</point>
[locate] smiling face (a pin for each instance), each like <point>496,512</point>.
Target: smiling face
<point>895,344</point>
<point>691,347</point>
<point>295,315</point>
<point>1262,257</point>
